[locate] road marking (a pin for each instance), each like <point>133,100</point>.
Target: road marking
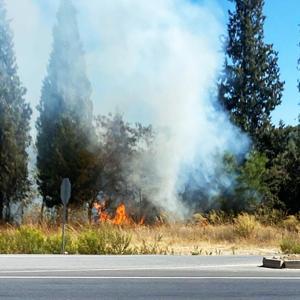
<point>129,269</point>
<point>151,277</point>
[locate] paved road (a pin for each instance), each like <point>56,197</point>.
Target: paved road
<point>144,277</point>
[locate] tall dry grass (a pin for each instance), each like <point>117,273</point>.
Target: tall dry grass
<point>212,234</point>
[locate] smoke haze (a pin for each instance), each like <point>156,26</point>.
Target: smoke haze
<point>155,61</point>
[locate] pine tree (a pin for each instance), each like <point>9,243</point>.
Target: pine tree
<point>250,86</point>
<point>65,130</point>
<point>15,116</point>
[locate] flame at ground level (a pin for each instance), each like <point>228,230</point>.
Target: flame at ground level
<point>121,217</point>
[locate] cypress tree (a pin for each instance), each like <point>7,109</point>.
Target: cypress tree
<point>15,116</point>
<point>250,86</point>
<point>65,131</point>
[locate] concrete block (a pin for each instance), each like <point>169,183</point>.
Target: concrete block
<point>275,263</point>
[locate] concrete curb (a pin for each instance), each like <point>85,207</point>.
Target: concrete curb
<point>279,263</point>
<point>292,264</point>
<point>274,263</point>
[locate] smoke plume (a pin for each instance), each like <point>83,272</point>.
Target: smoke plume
<point>157,62</point>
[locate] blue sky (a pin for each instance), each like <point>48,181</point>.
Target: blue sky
<point>281,29</point>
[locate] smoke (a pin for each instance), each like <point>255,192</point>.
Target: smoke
<point>157,62</point>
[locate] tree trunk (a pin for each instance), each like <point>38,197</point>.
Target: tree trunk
<point>7,216</point>
<point>1,209</point>
<point>42,212</point>
<point>90,211</point>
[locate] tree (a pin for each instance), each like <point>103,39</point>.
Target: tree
<point>15,116</point>
<point>283,177</point>
<point>249,188</point>
<point>65,130</point>
<point>128,170</point>
<point>122,146</point>
<point>250,86</point>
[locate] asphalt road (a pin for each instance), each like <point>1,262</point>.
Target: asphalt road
<point>144,277</point>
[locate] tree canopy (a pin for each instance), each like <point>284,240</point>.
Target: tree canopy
<point>250,87</point>
<point>65,125</point>
<point>15,115</point>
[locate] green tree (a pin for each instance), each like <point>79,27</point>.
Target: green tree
<point>283,177</point>
<point>65,131</point>
<point>249,187</point>
<point>15,116</point>
<point>122,146</point>
<point>250,87</point>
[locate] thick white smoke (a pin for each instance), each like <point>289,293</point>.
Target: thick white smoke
<point>157,62</point>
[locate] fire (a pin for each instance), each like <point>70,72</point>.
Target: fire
<point>142,221</point>
<point>121,216</point>
<point>103,216</point>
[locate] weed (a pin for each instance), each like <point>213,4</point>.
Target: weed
<point>290,246</point>
<point>245,225</point>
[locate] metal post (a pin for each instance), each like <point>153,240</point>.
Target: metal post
<point>63,230</point>
<point>141,198</point>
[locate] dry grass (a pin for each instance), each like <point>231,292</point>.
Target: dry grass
<point>205,236</point>
<point>209,239</point>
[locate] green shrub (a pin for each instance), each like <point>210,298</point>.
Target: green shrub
<point>290,246</point>
<point>92,242</point>
<point>245,225</point>
<point>53,244</point>
<point>7,243</point>
<point>28,240</point>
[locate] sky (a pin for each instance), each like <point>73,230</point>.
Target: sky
<point>32,22</point>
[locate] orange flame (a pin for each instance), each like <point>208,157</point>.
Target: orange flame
<point>103,216</point>
<point>120,218</point>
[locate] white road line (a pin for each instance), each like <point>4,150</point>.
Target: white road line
<point>150,277</point>
<point>129,269</point>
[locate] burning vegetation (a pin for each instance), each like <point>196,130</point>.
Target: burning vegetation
<point>102,214</point>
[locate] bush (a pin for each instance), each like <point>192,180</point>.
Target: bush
<point>245,225</point>
<point>7,243</point>
<point>91,242</point>
<point>53,243</point>
<point>291,223</point>
<point>103,240</point>
<point>151,249</point>
<point>269,216</point>
<point>290,246</point>
<point>199,219</point>
<point>28,240</point>
<point>219,217</point>
<point>119,243</point>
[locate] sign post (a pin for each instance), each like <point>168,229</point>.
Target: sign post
<point>65,195</point>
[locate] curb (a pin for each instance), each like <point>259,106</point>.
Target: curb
<point>292,264</point>
<point>278,263</point>
<point>274,263</point>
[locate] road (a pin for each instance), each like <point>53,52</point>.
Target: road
<point>143,277</point>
